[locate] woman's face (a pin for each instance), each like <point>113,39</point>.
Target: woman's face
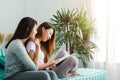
<point>33,33</point>
<point>47,33</point>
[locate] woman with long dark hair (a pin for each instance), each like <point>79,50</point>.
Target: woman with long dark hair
<point>18,64</point>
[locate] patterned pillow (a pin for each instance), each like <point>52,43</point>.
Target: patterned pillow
<point>2,58</point>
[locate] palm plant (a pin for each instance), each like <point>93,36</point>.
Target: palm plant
<point>75,29</point>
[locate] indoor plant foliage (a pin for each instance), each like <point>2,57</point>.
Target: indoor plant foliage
<point>75,29</point>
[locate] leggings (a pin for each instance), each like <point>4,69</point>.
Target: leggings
<point>68,65</point>
<point>34,75</point>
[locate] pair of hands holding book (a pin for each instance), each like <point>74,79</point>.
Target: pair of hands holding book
<point>57,62</point>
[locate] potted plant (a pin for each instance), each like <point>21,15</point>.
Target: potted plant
<point>74,29</point>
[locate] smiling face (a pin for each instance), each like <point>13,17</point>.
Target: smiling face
<point>46,34</point>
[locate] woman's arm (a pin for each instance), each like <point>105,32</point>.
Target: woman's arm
<point>33,48</point>
<point>35,55</point>
<point>22,54</point>
<point>31,54</point>
<point>48,64</point>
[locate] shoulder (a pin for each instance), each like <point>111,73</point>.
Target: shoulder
<point>30,46</point>
<point>16,45</point>
<point>16,42</point>
<point>30,42</point>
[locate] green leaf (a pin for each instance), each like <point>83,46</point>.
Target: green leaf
<point>75,29</point>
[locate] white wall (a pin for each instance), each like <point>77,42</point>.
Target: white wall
<point>11,11</point>
<point>46,8</point>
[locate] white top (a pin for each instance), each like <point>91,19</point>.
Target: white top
<point>31,46</point>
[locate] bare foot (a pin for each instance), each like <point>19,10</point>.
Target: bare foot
<point>73,73</point>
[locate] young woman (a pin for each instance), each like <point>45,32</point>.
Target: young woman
<point>46,36</point>
<point>18,64</point>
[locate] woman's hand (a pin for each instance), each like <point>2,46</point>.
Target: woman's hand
<point>37,42</point>
<point>52,63</point>
<point>51,67</point>
<point>55,61</point>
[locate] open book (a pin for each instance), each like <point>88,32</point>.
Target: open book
<point>61,60</point>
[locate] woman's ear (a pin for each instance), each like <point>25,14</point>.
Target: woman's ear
<point>43,29</point>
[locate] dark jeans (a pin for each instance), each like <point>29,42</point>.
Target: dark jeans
<point>34,75</point>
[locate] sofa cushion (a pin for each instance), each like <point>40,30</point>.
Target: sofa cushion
<point>2,62</point>
<point>2,58</point>
<point>1,74</point>
<point>2,52</point>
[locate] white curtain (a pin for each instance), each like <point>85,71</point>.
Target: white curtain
<point>107,16</point>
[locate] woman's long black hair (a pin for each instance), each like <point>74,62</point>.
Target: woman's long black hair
<point>24,29</point>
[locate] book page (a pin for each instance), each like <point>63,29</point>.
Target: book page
<point>61,60</point>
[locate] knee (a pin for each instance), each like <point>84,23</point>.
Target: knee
<point>51,73</point>
<point>73,60</point>
<point>64,52</point>
<point>46,76</point>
